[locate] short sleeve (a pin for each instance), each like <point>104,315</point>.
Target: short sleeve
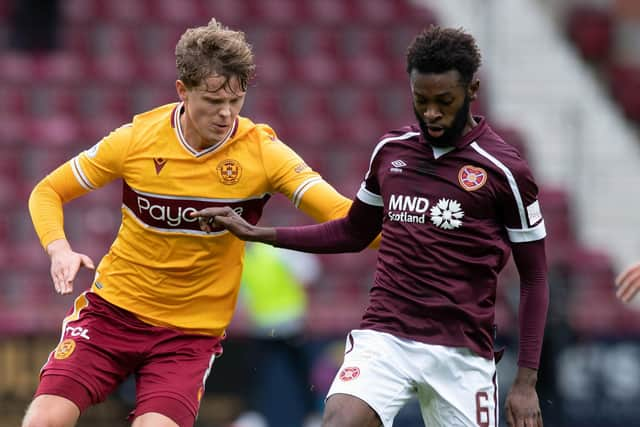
<point>286,170</point>
<point>102,163</point>
<point>369,191</point>
<point>519,205</point>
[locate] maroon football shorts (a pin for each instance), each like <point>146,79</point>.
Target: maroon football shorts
<point>102,344</point>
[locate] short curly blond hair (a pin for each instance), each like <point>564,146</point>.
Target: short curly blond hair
<point>214,50</point>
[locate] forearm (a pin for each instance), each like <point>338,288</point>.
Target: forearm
<point>533,314</point>
<point>350,234</point>
<point>46,203</point>
<point>534,301</point>
<point>329,237</point>
<point>324,203</point>
<point>45,208</point>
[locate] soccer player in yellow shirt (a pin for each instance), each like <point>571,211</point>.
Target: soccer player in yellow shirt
<point>165,292</point>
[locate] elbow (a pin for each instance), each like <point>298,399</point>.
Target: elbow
<point>34,196</point>
<point>355,248</point>
<point>360,244</point>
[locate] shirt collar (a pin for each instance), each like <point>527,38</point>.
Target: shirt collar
<point>465,139</point>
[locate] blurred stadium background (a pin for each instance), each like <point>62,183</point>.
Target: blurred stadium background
<point>561,80</point>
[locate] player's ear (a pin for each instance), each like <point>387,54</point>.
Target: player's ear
<point>472,90</point>
<point>182,90</point>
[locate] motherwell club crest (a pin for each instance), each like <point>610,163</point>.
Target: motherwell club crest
<point>64,349</point>
<point>229,171</point>
<point>472,178</point>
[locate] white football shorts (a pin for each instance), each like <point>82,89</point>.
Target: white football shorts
<point>455,387</point>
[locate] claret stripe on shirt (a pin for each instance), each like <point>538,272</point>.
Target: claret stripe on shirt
<point>172,213</point>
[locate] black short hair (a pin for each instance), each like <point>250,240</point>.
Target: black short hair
<point>438,50</point>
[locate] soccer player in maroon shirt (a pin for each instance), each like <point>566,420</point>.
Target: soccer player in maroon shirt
<point>453,201</point>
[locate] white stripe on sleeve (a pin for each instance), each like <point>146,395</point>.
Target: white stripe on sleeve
<point>303,188</point>
<point>368,197</point>
<point>80,175</point>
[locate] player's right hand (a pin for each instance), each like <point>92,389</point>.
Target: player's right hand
<point>224,217</point>
<point>65,264</point>
<point>628,283</point>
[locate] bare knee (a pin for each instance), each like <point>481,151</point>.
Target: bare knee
<point>153,419</point>
<point>344,410</point>
<point>51,411</point>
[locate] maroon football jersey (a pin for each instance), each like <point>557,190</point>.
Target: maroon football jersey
<point>450,215</point>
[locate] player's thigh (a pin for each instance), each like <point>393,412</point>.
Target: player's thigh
<point>460,390</point>
<point>376,371</point>
<point>343,410</point>
<point>153,419</point>
<point>52,411</point>
<point>97,350</point>
<point>172,379</point>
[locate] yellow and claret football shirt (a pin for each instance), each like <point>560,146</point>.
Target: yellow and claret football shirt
<point>161,266</point>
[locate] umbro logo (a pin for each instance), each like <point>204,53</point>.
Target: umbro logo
<point>159,164</point>
<point>397,165</point>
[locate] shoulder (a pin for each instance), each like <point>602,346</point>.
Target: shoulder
<point>161,113</point>
<point>396,138</point>
<point>150,123</point>
<point>495,150</point>
<point>258,131</point>
<point>400,135</point>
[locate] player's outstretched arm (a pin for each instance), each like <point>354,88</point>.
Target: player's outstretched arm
<point>65,264</point>
<point>349,234</point>
<point>229,219</point>
<point>628,283</point>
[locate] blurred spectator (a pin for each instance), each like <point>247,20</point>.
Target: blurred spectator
<point>273,295</point>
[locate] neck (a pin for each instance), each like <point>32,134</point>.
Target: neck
<point>471,123</point>
<point>191,137</point>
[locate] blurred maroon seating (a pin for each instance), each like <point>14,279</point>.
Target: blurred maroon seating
<point>593,308</point>
<point>56,129</point>
<point>64,68</point>
<point>277,12</point>
<point>559,223</point>
<point>318,70</point>
<point>625,88</point>
<point>513,136</point>
<point>329,12</point>
<point>271,70</point>
<point>366,69</point>
<point>17,68</point>
<point>591,29</point>
<point>235,13</point>
<point>14,99</point>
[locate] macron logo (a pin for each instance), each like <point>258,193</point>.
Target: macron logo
<point>397,166</point>
<point>159,164</point>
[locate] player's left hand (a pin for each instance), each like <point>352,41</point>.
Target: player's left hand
<point>628,283</point>
<point>522,407</point>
